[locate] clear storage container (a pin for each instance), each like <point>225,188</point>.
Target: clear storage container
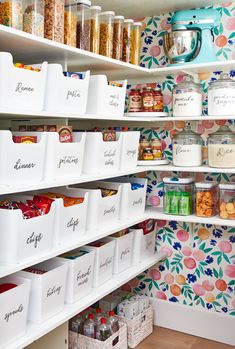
<point>118,37</point>
<point>70,23</point>
<point>127,37</point>
<point>33,17</point>
<point>221,148</point>
<point>54,20</point>
<point>221,96</point>
<point>187,148</point>
<point>178,198</point>
<point>227,201</point>
<point>136,43</point>
<point>11,13</point>
<point>83,24</point>
<point>106,33</point>
<point>207,196</point>
<point>95,29</point>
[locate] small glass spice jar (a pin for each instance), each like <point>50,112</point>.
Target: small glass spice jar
<point>106,33</point>
<point>54,20</point>
<point>11,13</point>
<point>147,154</point>
<point>127,38</point>
<point>95,29</point>
<point>178,198</point>
<point>147,99</point>
<point>135,43</point>
<point>135,101</point>
<point>70,23</point>
<point>118,37</point>
<point>158,105</point>
<point>33,17</point>
<point>227,201</point>
<point>83,13</point>
<point>156,145</point>
<point>207,199</point>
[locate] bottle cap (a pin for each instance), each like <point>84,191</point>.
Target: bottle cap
<point>111,313</point>
<point>103,320</point>
<point>90,316</point>
<point>98,310</point>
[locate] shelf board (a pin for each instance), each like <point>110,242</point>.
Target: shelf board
<point>199,169</point>
<point>157,213</point>
<point>36,331</point>
<point>140,118</point>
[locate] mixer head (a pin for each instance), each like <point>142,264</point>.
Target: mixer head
<point>195,19</point>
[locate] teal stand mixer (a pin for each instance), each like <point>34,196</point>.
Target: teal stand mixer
<point>191,38</point>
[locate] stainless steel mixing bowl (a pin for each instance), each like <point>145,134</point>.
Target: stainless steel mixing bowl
<point>181,45</point>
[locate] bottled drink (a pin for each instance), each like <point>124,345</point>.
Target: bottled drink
<point>77,324</point>
<point>113,322</point>
<point>89,327</point>
<point>98,316</point>
<point>103,331</point>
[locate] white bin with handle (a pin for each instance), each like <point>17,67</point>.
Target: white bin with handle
<point>129,149</point>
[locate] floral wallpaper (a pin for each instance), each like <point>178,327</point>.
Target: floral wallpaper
<point>200,268</point>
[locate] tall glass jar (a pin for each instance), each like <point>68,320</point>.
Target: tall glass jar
<point>54,20</point>
<point>118,37</point>
<point>187,98</point>
<point>187,148</point>
<point>95,29</point>
<point>221,148</point>
<point>70,23</point>
<point>11,13</point>
<point>136,43</point>
<point>33,17</point>
<point>83,24</point>
<point>227,200</point>
<point>127,37</point>
<point>106,33</point>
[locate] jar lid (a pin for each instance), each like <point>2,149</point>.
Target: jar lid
<point>187,133</point>
<point>223,132</point>
<point>98,8</point>
<point>110,13</point>
<point>177,180</point>
<point>206,185</point>
<point>224,78</point>
<point>119,17</point>
<point>128,21</point>
<point>227,186</point>
<point>138,24</point>
<point>147,88</point>
<point>83,2</point>
<point>188,82</point>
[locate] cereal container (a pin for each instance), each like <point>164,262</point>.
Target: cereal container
<point>136,43</point>
<point>106,33</point>
<point>227,200</point>
<point>33,17</point>
<point>70,24</point>
<point>83,24</point>
<point>127,38</point>
<point>178,198</point>
<point>207,196</point>
<point>54,20</point>
<point>118,37</point>
<point>11,13</point>
<point>95,29</point>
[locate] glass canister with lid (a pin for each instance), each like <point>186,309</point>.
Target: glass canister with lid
<point>227,200</point>
<point>54,20</point>
<point>11,13</point>
<point>127,39</point>
<point>33,17</point>
<point>106,33</point>
<point>70,23</point>
<point>207,198</point>
<point>136,43</point>
<point>221,148</point>
<point>221,96</point>
<point>187,98</point>
<point>187,148</point>
<point>83,24</point>
<point>118,37</point>
<point>178,198</point>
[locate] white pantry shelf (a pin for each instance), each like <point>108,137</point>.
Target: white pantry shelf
<point>201,169</point>
<point>139,117</point>
<point>36,331</point>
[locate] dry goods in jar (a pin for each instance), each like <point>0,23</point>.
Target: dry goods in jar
<point>127,37</point>
<point>118,37</point>
<point>83,24</point>
<point>227,200</point>
<point>106,33</point>
<point>11,14</point>
<point>206,199</point>
<point>135,43</point>
<point>33,19</point>
<point>95,29</point>
<point>70,28</point>
<point>54,20</point>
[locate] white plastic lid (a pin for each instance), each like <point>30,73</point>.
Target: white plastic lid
<point>83,2</point>
<point>138,23</point>
<point>128,21</point>
<point>206,185</point>
<point>96,8</point>
<point>227,186</point>
<point>176,180</point>
<point>111,13</point>
<point>119,17</point>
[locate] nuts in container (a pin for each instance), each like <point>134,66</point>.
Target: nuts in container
<point>206,199</point>
<point>54,20</point>
<point>70,24</point>
<point>33,17</point>
<point>106,33</point>
<point>227,200</point>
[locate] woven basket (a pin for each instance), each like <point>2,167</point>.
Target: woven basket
<point>117,341</point>
<point>139,328</point>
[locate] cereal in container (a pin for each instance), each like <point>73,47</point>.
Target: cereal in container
<point>127,38</point>
<point>83,24</point>
<point>106,33</point>
<point>207,199</point>
<point>118,37</point>
<point>227,200</point>
<point>11,13</point>
<point>136,43</point>
<point>54,20</point>
<point>70,23</point>
<point>33,17</point>
<point>95,29</point>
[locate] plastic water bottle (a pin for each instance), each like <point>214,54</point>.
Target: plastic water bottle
<point>103,331</point>
<point>113,322</point>
<point>89,327</point>
<point>98,316</point>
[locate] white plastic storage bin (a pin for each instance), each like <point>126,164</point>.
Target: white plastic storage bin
<point>25,238</point>
<point>21,88</point>
<point>104,258</point>
<point>104,99</point>
<point>144,245</point>
<point>47,294</point>
<point>65,94</point>
<point>21,163</point>
<point>123,252</point>
<point>64,160</point>
<point>80,276</point>
<point>101,156</point>
<point>13,310</point>
<point>129,149</point>
<point>103,212</point>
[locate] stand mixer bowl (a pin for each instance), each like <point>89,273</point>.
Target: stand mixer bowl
<point>181,45</point>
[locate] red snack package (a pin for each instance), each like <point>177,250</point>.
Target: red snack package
<point>35,271</point>
<point>27,211</point>
<point>24,139</point>
<point>6,287</point>
<point>43,203</point>
<point>148,226</point>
